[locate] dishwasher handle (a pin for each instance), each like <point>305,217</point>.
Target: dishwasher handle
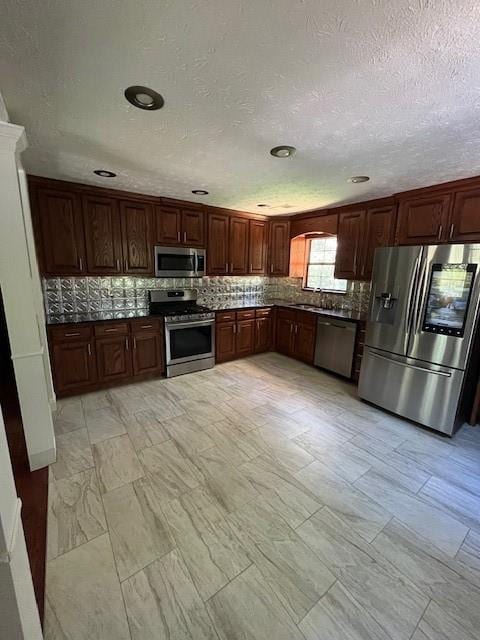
<point>349,326</point>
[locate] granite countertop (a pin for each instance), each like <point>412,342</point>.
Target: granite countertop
<point>245,304</point>
<point>98,316</point>
<point>341,314</point>
<point>127,314</point>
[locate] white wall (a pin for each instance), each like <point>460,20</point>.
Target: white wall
<point>21,291</point>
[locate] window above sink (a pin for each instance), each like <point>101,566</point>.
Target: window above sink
<point>320,265</point>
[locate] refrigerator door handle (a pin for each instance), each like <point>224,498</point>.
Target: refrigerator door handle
<point>410,308</point>
<point>446,374</point>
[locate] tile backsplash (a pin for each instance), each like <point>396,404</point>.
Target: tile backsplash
<point>130,293</point>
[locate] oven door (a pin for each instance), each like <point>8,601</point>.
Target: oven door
<point>176,262</point>
<point>187,341</point>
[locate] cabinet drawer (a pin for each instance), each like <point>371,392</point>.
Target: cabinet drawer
<point>226,316</point>
<point>70,333</point>
<point>286,314</point>
<point>246,315</point>
<point>117,329</point>
<point>144,325</point>
<point>263,313</point>
<point>306,317</point>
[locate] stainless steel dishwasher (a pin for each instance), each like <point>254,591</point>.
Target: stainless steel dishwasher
<point>335,345</point>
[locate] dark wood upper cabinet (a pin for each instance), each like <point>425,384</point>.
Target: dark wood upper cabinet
<point>279,248</point>
<point>168,225</point>
<point>103,238</point>
<point>257,251</point>
<point>350,243</point>
<point>465,218</point>
<point>60,222</point>
<point>423,220</point>
<point>136,220</point>
<point>180,226</point>
<point>193,228</point>
<point>217,242</point>
<point>238,246</point>
<point>379,232</point>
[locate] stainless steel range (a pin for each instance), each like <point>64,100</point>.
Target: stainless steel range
<point>189,330</point>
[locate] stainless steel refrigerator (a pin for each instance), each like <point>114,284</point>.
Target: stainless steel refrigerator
<point>421,343</point>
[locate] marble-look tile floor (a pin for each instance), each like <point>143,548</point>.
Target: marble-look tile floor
<point>259,499</point>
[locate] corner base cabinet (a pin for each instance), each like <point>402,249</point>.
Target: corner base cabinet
<point>295,334</point>
<point>242,333</point>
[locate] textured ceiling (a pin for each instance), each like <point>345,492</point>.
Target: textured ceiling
<point>387,88</point>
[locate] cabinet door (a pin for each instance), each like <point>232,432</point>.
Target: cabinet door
<point>423,220</point>
<point>238,246</point>
<point>60,223</point>
<point>168,225</point>
<point>284,336</point>
<point>279,248</point>
<point>465,219</point>
<point>351,229</point>
<point>380,232</point>
<point>245,337</point>
<point>193,228</point>
<point>217,252</point>
<point>257,252</point>
<point>113,358</point>
<point>73,366</point>
<point>147,353</point>
<point>263,334</point>
<point>103,240</point>
<point>136,234</point>
<point>304,348</point>
<point>225,334</point>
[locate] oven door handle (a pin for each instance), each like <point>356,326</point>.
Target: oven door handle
<point>184,325</point>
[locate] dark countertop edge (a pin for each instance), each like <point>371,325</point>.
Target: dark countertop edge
<point>341,314</point>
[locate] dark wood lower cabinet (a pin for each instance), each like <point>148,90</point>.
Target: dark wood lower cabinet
<point>295,334</point>
<point>113,358</point>
<point>225,348</point>
<point>263,334</point>
<point>96,355</point>
<point>239,334</point>
<point>147,353</point>
<point>74,366</point>
<point>304,344</point>
<point>245,337</point>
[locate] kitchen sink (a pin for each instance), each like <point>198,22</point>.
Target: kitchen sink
<point>305,306</point>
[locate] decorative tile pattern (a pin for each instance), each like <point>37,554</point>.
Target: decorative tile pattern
<point>128,296</point>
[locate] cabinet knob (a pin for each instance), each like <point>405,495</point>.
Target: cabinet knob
<point>89,349</point>
<point>126,344</point>
<point>118,264</point>
<point>184,236</point>
<point>440,229</point>
<point>80,263</point>
<point>134,342</point>
<point>452,230</point>
<point>178,236</point>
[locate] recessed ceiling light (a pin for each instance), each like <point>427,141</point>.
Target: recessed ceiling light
<point>263,205</point>
<point>144,98</point>
<point>283,151</point>
<point>357,179</point>
<point>200,192</point>
<point>103,173</point>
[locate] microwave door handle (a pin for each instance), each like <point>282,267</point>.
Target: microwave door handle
<point>196,263</point>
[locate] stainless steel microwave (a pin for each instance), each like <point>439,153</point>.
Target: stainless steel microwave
<point>179,262</point>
